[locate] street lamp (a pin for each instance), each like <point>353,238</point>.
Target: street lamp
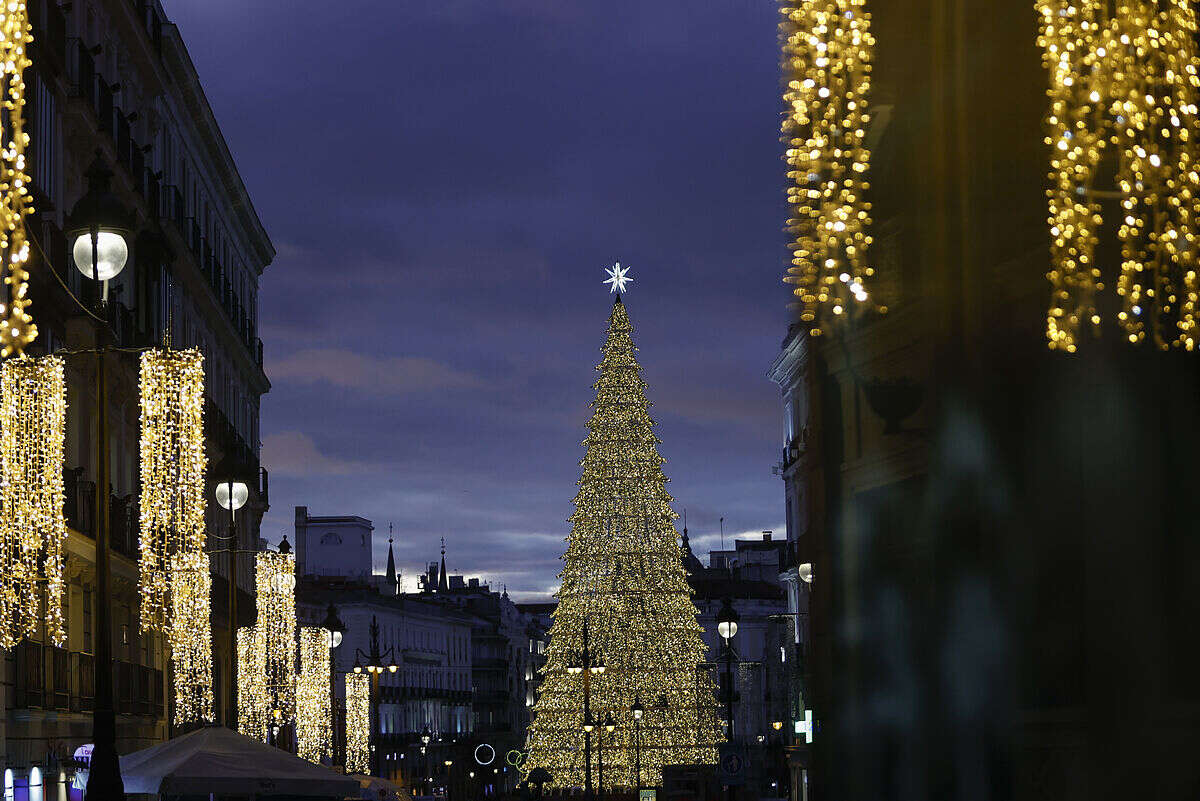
<point>99,229</point>
<point>375,660</point>
<point>448,763</point>
<point>727,626</point>
<point>610,726</point>
<point>232,495</point>
<point>334,625</point>
<point>99,225</point>
<point>638,710</point>
<point>588,662</point>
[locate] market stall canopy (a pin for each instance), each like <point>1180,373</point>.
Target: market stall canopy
<point>222,762</point>
<point>374,788</point>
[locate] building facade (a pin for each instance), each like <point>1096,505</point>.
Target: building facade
<point>114,80</point>
<point>431,643</point>
<point>763,650</point>
<point>968,499</point>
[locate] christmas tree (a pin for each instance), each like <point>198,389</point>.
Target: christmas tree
<point>624,580</point>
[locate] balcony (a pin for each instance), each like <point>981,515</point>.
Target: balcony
<point>173,208</point>
<point>31,675</point>
<point>85,73</point>
<point>238,452</point>
<point>79,502</point>
<point>60,696</point>
<point>49,34</point>
<point>105,107</point>
<point>83,695</point>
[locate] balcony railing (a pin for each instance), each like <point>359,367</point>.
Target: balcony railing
<point>61,675</point>
<point>49,33</point>
<point>173,208</point>
<point>79,502</point>
<point>105,107</point>
<point>83,689</point>
<point>31,675</point>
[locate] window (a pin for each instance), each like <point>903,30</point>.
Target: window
<point>332,538</point>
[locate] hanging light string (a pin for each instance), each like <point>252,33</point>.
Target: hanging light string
<point>253,697</point>
<point>314,736</point>
<point>827,52</point>
<point>173,467</point>
<point>191,638</point>
<point>1123,85</point>
<point>16,34</point>
<point>32,528</point>
<point>358,723</point>
<point>275,580</point>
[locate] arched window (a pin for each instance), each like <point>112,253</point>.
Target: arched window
<point>332,538</point>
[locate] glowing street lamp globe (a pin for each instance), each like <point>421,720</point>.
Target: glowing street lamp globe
<point>727,621</point>
<point>232,495</point>
<point>98,227</point>
<point>334,625</point>
<point>110,254</point>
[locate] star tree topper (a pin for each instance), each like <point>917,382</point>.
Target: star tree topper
<point>618,277</point>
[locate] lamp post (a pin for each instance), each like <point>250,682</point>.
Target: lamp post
<point>609,726</point>
<point>638,710</point>
<point>99,227</point>
<point>727,625</point>
<point>336,628</point>
<point>588,661</point>
<point>448,763</point>
<point>232,495</point>
<point>375,666</point>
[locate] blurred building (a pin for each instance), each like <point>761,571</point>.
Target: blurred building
<point>115,79</point>
<point>1001,599</point>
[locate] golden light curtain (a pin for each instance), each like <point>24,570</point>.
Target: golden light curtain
<point>191,638</point>
<point>314,726</point>
<point>32,529</point>
<point>1122,126</point>
<point>827,53</point>
<point>358,723</point>
<point>275,581</point>
<point>172,474</point>
<point>16,328</point>
<point>253,697</point>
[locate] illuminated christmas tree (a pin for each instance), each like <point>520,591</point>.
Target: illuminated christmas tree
<point>624,578</point>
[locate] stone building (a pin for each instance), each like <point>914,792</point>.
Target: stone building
<point>114,79</point>
<point>748,575</point>
<point>431,643</point>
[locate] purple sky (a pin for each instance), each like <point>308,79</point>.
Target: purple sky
<point>445,182</point>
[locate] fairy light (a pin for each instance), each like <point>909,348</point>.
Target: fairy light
<point>358,723</point>
<point>253,696</point>
<point>314,733</point>
<point>32,529</point>
<point>191,638</point>
<point>16,328</point>
<point>623,575</point>
<point>275,580</point>
<point>172,473</point>
<point>1123,86</point>
<point>827,52</point>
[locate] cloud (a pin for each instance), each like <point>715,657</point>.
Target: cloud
<point>293,453</point>
<point>390,375</point>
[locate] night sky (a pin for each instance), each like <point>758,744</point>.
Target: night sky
<point>445,182</point>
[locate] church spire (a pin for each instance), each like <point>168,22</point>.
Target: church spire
<point>443,582</point>
<point>391,566</point>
